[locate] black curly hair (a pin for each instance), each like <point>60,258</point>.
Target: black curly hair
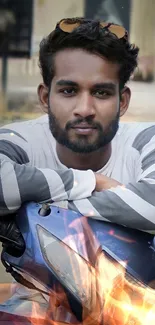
<point>91,37</point>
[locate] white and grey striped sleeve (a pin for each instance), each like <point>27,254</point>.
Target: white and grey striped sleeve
<point>20,182</point>
<point>134,205</point>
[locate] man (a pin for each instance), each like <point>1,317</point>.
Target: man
<point>78,153</point>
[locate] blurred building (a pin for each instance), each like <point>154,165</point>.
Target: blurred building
<point>45,15</point>
<point>48,12</point>
<point>116,11</point>
<point>24,73</point>
<point>138,16</point>
<point>142,33</point>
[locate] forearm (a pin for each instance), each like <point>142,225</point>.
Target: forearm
<point>105,183</point>
<point>22,183</point>
<point>132,206</point>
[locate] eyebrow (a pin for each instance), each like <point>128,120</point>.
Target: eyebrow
<point>105,85</point>
<point>63,82</point>
<point>101,85</point>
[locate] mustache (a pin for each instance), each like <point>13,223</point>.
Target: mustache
<point>87,120</point>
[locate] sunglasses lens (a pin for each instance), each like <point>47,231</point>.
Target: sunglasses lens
<point>103,24</point>
<point>68,26</point>
<point>119,31</point>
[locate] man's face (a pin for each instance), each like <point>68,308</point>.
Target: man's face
<point>84,101</point>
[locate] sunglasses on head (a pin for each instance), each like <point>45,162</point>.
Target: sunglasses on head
<point>68,25</point>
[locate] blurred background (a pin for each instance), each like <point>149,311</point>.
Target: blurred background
<point>23,23</point>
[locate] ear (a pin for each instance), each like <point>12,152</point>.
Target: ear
<point>124,100</point>
<point>43,93</point>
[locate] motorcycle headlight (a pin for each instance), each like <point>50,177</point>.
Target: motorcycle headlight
<point>85,282</point>
<point>72,270</point>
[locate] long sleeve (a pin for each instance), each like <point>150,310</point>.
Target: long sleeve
<point>133,205</point>
<point>21,182</point>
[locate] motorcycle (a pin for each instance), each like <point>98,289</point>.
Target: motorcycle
<point>76,259</point>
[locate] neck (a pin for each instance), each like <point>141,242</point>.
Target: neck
<point>93,161</point>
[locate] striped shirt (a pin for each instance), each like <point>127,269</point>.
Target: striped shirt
<point>31,171</point>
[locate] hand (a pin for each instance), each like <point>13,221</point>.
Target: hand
<point>11,237</point>
<point>104,183</point>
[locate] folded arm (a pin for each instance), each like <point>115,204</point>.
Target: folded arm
<point>132,205</point>
<point>20,182</point>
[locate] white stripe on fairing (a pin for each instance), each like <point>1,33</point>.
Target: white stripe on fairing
<point>148,171</point>
<point>56,185</point>
<point>10,186</point>
<point>142,207</point>
<point>86,208</point>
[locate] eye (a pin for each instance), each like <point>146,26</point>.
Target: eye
<point>68,91</point>
<point>100,93</point>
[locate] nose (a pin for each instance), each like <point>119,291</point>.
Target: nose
<point>84,106</point>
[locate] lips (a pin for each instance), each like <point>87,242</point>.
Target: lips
<point>84,129</point>
<point>83,126</point>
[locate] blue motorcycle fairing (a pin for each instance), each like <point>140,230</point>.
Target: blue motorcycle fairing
<point>120,243</point>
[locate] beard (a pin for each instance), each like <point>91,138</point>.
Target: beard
<point>82,143</point>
